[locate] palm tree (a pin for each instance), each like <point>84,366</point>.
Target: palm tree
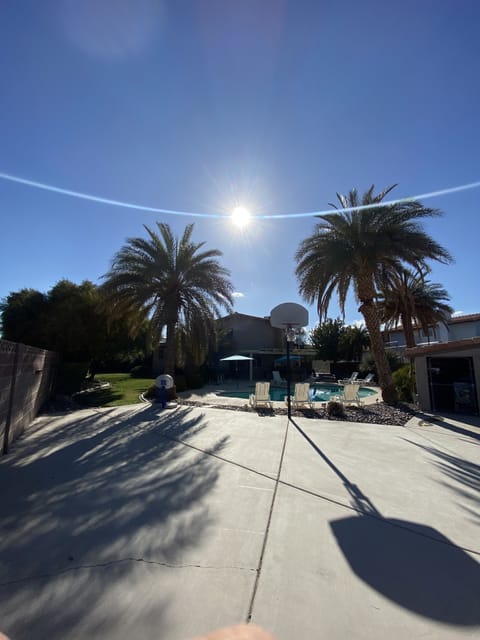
<point>173,282</point>
<point>358,247</point>
<point>353,342</point>
<point>409,299</point>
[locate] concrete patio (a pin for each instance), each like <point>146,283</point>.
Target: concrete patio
<point>138,522</point>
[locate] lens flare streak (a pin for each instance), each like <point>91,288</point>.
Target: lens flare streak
<point>309,214</point>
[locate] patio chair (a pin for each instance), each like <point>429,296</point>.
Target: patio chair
<point>367,380</point>
<point>352,378</point>
<point>350,395</point>
<point>301,396</point>
<point>261,395</point>
<point>277,378</point>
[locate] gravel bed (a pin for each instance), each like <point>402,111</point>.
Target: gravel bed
<point>379,413</point>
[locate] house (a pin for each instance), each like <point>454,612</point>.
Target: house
<point>448,374</point>
<point>447,363</point>
<point>254,336</point>
<point>244,332</point>
<point>456,328</point>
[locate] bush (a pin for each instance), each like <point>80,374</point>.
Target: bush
<point>153,393</point>
<point>71,377</point>
<point>335,409</point>
<point>150,393</point>
<point>141,371</point>
<point>368,363</point>
<point>404,379</point>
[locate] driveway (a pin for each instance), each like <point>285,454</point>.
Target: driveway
<point>133,522</point>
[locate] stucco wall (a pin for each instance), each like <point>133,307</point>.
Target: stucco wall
<point>253,333</point>
<point>421,373</point>
<point>26,378</point>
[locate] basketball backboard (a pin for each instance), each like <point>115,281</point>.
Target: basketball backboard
<point>289,314</point>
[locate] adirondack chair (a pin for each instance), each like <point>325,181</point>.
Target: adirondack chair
<point>350,395</point>
<point>301,396</point>
<point>261,395</point>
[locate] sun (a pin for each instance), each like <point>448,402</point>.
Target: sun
<point>240,216</point>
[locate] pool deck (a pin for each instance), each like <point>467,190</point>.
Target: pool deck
<point>137,522</point>
<point>210,394</point>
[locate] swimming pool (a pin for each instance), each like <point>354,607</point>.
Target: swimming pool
<point>320,392</point>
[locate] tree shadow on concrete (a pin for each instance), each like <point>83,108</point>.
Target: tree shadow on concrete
<point>88,506</point>
<point>411,564</point>
<point>466,420</point>
<point>464,475</point>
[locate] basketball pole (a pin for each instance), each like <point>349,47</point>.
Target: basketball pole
<point>286,316</point>
<point>289,399</point>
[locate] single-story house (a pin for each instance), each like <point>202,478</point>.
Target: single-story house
<point>448,376</point>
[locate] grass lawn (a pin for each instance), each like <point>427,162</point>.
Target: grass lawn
<point>123,390</point>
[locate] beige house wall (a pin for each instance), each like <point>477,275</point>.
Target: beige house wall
<point>421,373</point>
<point>250,333</point>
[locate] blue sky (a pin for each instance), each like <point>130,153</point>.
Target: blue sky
<point>202,105</point>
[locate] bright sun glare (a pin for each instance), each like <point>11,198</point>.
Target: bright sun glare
<point>240,216</point>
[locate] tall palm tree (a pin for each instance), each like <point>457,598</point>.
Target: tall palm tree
<point>356,247</point>
<point>173,282</point>
<point>409,299</point>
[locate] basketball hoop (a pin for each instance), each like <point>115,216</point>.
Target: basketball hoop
<point>289,316</point>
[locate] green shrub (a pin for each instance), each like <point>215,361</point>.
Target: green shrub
<point>141,371</point>
<point>71,377</point>
<point>153,393</point>
<point>404,379</point>
<point>150,393</point>
<point>368,363</point>
<point>335,409</point>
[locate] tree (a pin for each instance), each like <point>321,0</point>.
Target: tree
<point>23,316</point>
<point>356,248</point>
<point>69,320</point>
<point>326,337</point>
<point>76,328</point>
<point>171,281</point>
<point>353,342</point>
<point>409,299</point>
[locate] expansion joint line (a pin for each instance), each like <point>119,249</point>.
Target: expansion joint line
<point>315,494</point>
<point>267,530</point>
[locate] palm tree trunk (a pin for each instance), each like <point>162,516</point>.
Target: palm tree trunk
<point>408,330</point>
<point>171,349</point>
<point>368,309</point>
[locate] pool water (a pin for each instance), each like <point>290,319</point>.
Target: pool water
<point>318,392</point>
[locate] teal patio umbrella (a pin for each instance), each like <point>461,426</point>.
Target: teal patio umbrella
<point>235,358</point>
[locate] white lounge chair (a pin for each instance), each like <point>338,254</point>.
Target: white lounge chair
<point>352,378</point>
<point>301,396</point>
<point>350,394</point>
<point>367,380</point>
<point>277,378</point>
<point>261,395</point>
